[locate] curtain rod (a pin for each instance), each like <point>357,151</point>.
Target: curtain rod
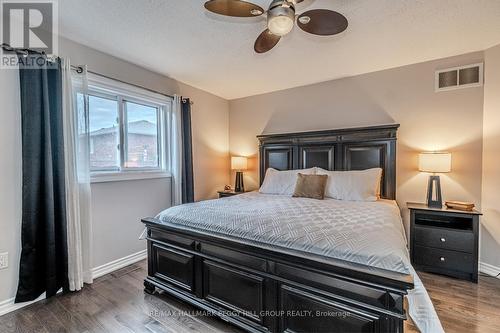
<point>79,69</point>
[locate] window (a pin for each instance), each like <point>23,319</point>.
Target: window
<point>126,128</point>
<point>104,133</point>
<point>142,136</point>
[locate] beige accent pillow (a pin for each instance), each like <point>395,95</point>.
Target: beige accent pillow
<point>310,186</point>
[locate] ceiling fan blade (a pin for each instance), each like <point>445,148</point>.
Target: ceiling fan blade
<point>266,41</point>
<point>237,8</point>
<point>322,22</point>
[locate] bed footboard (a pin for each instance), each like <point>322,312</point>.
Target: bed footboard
<point>262,290</point>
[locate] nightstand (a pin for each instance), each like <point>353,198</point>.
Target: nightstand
<point>224,194</point>
<point>444,241</point>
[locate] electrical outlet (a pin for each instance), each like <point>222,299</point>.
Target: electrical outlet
<point>4,260</point>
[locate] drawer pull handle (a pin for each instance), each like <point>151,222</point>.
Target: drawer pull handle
<point>442,259</point>
<point>443,239</point>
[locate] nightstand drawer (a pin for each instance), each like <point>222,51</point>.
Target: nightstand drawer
<point>447,239</point>
<point>444,259</point>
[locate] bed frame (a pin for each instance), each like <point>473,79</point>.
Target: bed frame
<point>263,290</point>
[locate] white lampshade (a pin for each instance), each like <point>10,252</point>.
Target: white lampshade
<point>239,163</point>
<point>435,162</point>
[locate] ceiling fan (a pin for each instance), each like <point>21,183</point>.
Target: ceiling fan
<point>281,19</point>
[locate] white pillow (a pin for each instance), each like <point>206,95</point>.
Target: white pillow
<point>282,182</point>
<point>362,185</point>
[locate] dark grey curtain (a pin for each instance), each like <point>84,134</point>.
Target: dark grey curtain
<point>43,266</point>
<point>187,163</point>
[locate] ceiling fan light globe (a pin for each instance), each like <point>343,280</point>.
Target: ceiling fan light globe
<point>280,25</point>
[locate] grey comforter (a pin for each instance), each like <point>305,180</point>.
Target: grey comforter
<point>368,233</point>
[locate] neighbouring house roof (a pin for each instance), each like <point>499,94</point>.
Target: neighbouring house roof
<point>142,127</point>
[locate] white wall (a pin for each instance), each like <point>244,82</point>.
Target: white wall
<point>117,206</point>
<point>490,235</point>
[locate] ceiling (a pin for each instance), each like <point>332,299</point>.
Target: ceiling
<point>180,39</point>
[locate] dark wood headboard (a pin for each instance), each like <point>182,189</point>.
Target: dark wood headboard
<point>339,149</point>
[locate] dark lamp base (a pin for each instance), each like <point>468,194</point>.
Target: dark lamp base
<point>434,198</point>
<point>238,186</point>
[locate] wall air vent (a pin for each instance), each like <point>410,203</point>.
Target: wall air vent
<point>460,77</point>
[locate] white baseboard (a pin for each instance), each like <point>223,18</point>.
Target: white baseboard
<point>119,263</point>
<point>8,305</point>
<point>489,269</point>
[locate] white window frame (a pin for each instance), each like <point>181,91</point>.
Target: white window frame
<point>121,92</point>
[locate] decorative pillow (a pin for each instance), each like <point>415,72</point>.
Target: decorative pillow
<point>310,186</point>
<point>282,182</point>
<point>362,185</point>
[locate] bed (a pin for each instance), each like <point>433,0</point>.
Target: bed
<point>272,263</point>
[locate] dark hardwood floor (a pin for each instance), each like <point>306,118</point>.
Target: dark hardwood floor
<point>116,303</point>
<point>464,306</point>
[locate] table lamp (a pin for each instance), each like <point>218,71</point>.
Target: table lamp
<point>434,162</point>
<point>239,164</point>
